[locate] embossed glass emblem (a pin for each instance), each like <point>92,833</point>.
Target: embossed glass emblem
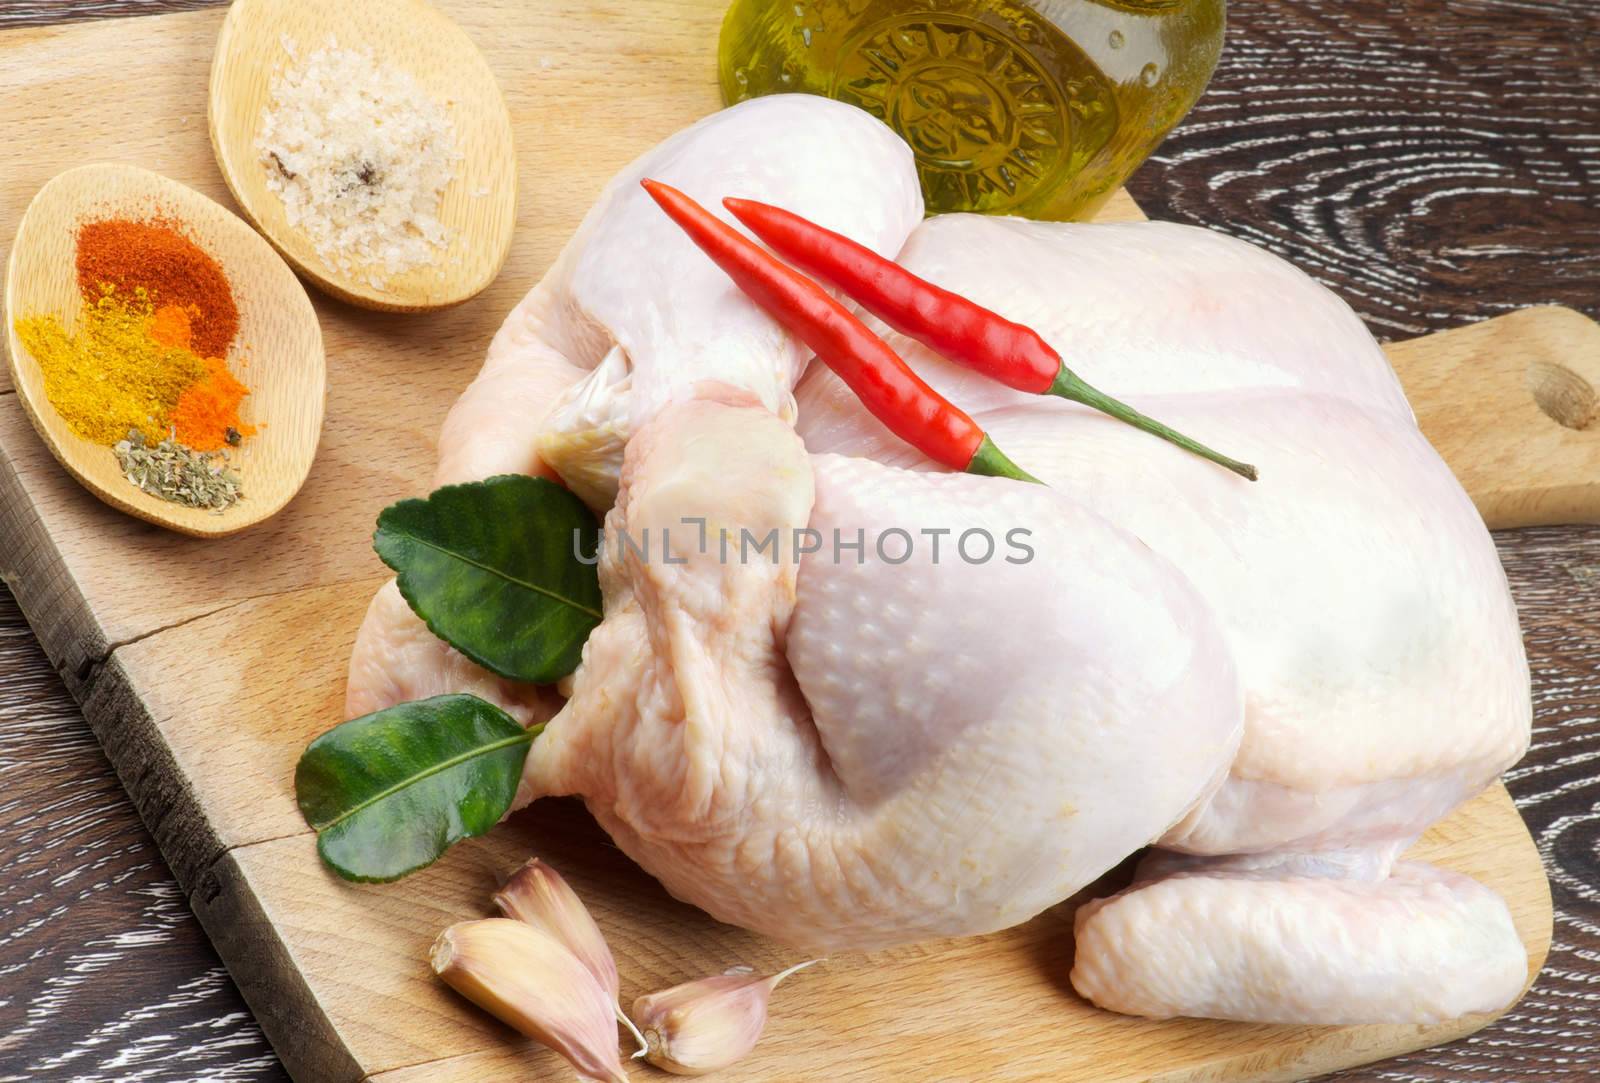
<point>987,123</point>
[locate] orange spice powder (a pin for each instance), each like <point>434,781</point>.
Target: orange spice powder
<point>209,408</point>
<point>172,327</point>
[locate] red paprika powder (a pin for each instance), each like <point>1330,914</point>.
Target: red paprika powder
<point>126,254</point>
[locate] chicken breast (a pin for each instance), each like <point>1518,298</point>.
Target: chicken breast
<point>1361,597</point>
<point>1361,593</point>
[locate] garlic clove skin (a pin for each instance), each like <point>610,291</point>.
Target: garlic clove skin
<point>706,1025</point>
<point>540,896</point>
<point>526,979</point>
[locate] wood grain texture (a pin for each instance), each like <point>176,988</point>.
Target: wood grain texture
<point>277,351</point>
<point>857,1017</point>
<point>1539,89</point>
<point>16,13</point>
<point>1508,403</point>
<point>1435,163</point>
<point>104,974</point>
<point>478,207</point>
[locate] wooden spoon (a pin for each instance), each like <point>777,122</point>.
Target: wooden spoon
<point>480,203</point>
<point>277,352</point>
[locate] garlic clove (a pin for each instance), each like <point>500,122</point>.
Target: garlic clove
<point>525,978</point>
<point>706,1025</point>
<point>540,896</point>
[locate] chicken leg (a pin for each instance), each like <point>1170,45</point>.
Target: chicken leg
<point>848,755</point>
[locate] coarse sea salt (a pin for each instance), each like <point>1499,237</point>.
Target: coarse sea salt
<point>360,155</point>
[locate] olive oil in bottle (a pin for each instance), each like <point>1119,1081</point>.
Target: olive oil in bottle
<point>1031,107</point>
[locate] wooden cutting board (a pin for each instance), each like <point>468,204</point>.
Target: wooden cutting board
<point>206,666</point>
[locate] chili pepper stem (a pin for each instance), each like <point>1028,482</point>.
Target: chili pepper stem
<point>991,461</point>
<point>1070,386</point>
<point>869,367</point>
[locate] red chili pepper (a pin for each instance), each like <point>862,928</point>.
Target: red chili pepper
<point>876,374</point>
<point>965,332</point>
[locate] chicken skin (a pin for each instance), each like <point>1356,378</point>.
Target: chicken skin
<point>854,738</point>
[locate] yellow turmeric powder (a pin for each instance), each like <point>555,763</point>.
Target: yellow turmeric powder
<point>111,376</point>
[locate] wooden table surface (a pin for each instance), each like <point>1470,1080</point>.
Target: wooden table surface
<point>1434,161</point>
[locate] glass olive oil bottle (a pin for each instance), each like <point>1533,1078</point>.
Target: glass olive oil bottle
<point>1031,107</point>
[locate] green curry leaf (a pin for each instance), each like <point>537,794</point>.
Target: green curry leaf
<point>389,792</point>
<point>492,568</point>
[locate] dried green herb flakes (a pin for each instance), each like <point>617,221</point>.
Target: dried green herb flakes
<point>173,472</point>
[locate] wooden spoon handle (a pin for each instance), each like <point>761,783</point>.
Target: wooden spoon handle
<point>1511,404</point>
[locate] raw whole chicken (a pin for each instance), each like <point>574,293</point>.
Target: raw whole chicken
<point>1279,685</point>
